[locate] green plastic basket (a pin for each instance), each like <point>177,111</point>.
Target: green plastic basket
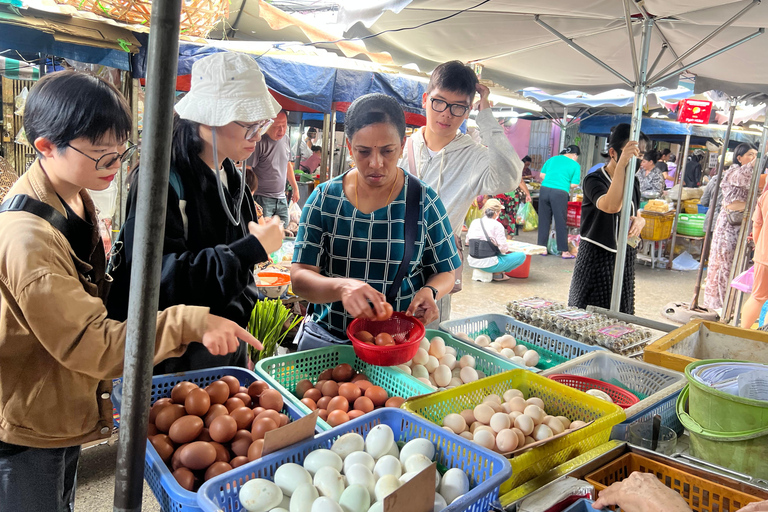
<point>691,224</point>
<point>284,373</point>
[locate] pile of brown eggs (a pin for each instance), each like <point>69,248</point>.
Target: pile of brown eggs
<point>341,394</point>
<point>202,433</point>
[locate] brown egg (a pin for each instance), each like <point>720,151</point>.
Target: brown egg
<point>338,403</point>
<point>313,394</point>
<point>186,429</point>
<point>168,415</point>
<point>243,416</point>
<point>254,451</point>
<point>302,387</point>
<point>198,455</point>
<point>197,402</point>
<point>222,454</point>
<point>256,388</point>
<point>181,390</point>
<point>377,395</point>
<point>185,478</point>
<point>204,436</point>
<point>342,373</point>
<point>354,414</point>
<point>152,430</point>
<point>258,410</point>
<point>350,391</point>
<point>214,412</point>
<point>219,392</point>
<point>269,413</point>
<point>233,403</point>
<point>261,427</point>
<point>363,385</point>
<point>223,429</point>
<point>323,414</point>
<point>232,382</point>
<point>323,402</point>
<point>245,397</point>
<point>395,402</point>
<point>271,399</point>
<point>239,461</point>
<point>326,375</point>
<point>364,336</point>
<point>243,389</point>
<point>364,404</point>
<point>358,377</point>
<point>242,434</point>
<point>308,402</point>
<point>240,447</point>
<point>330,388</point>
<point>216,469</point>
<point>319,384</point>
<point>284,420</point>
<point>157,407</point>
<point>336,418</point>
<point>176,459</point>
<point>163,446</point>
<point>384,340</point>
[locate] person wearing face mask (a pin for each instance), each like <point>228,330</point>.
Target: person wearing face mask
<point>212,240</point>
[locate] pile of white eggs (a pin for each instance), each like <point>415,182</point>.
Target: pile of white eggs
<point>505,346</point>
<point>435,364</point>
<point>355,475</point>
<point>507,424</point>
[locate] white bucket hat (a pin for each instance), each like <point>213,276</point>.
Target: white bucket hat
<point>227,87</point>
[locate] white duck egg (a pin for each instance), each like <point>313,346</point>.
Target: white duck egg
<point>518,361</point>
<point>385,486</point>
<point>289,476</point>
<point>303,498</point>
<point>325,504</point>
<point>455,483</point>
<point>531,358</point>
<point>318,458</point>
<point>432,364</point>
<point>260,495</point>
<point>508,353</point>
<point>424,343</point>
<point>359,474</point>
<point>355,498</point>
<point>450,350</point>
<point>348,443</point>
<point>387,465</point>
<point>363,458</point>
<point>420,371</point>
<point>482,341</point>
<point>421,357</point>
<point>442,376</point>
<point>448,360</point>
<point>329,483</point>
<point>419,445</point>
<point>404,368</point>
<point>542,432</point>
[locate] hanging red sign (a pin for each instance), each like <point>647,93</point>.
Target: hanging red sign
<point>694,111</point>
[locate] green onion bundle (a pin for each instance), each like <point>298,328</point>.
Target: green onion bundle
<point>267,324</point>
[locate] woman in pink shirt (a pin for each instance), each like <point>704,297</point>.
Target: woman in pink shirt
<point>760,284</point>
<point>488,228</point>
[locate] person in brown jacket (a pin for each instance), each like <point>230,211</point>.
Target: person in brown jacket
<point>58,350</point>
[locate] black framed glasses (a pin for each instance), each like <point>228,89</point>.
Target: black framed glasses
<point>108,160</point>
<point>259,127</point>
<point>457,109</point>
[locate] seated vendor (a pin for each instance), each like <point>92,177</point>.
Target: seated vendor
<point>352,234</point>
<point>488,228</point>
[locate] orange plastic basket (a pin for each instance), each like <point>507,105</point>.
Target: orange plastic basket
<point>702,495</point>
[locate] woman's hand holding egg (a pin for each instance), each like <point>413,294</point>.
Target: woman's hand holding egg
<point>358,297</point>
<point>424,307</point>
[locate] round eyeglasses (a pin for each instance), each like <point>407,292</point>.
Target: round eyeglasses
<point>108,160</point>
<point>457,109</point>
<point>259,127</point>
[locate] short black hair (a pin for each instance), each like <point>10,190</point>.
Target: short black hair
<point>316,148</point>
<point>741,150</point>
<point>311,131</point>
<point>372,109</point>
<point>666,152</point>
<point>528,159</point>
<point>186,144</point>
<point>651,156</point>
<point>619,136</point>
<point>69,105</point>
<point>454,76</point>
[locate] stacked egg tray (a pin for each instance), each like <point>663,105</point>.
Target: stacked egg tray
<point>485,469</point>
<point>284,373</point>
<point>171,495</point>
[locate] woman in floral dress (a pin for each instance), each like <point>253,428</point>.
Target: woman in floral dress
<point>736,182</point>
<point>511,202</point>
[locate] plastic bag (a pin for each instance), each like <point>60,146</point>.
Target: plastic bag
<point>552,242</point>
<point>294,213</point>
<point>743,282</point>
<point>527,217</point>
<point>20,101</point>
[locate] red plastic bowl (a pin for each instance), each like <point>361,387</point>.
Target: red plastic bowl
<point>406,330</point>
<point>620,397</point>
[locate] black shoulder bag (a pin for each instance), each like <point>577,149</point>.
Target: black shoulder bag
<point>25,203</point>
<point>483,248</point>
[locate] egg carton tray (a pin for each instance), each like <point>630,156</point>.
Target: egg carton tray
<point>172,496</point>
<point>485,469</point>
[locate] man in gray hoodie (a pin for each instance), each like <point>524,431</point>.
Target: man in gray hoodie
<point>450,162</point>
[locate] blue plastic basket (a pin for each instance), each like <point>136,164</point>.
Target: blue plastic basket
<point>486,470</point>
<point>583,505</point>
<point>170,495</point>
<point>553,349</point>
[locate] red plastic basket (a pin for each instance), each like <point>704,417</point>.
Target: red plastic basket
<point>573,218</point>
<point>407,332</point>
<point>620,397</point>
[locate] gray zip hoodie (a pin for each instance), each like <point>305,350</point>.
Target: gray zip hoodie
<point>464,169</point>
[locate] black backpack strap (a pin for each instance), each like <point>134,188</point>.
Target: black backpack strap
<point>24,203</point>
<point>412,202</point>
<point>488,239</point>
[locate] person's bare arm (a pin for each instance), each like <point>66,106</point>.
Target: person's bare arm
<point>641,492</point>
<point>292,182</point>
<point>525,191</point>
<point>423,306</point>
<point>612,201</point>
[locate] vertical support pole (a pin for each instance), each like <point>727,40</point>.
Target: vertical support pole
<point>145,275</point>
<point>679,178</point>
<point>332,145</point>
<point>713,202</point>
<point>297,160</point>
<point>42,64</point>
<point>563,127</point>
<point>641,91</point>
<point>324,170</point>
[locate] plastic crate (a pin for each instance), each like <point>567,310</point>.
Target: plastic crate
<point>702,209</point>
<point>559,400</point>
<point>656,387</point>
<point>619,396</point>
<point>573,219</point>
<point>170,495</point>
<point>658,226</point>
<point>552,348</point>
<point>702,495</point>
<point>583,505</point>
<point>691,225</point>
<point>284,373</point>
<point>486,470</point>
<point>691,206</point>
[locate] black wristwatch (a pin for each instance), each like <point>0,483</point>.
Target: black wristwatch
<point>434,291</point>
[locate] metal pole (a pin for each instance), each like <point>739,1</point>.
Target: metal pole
<point>162,61</point>
<point>563,128</point>
<point>324,168</point>
<point>584,52</point>
<point>679,180</point>
<point>713,204</point>
<point>631,34</point>
<point>632,319</point>
<point>332,141</point>
<point>42,64</point>
<point>664,48</point>
<point>704,41</point>
<point>297,160</point>
<point>641,91</point>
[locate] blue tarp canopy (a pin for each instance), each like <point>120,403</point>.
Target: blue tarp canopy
<point>668,131</point>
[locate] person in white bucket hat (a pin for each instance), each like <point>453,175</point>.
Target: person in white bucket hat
<point>212,241</point>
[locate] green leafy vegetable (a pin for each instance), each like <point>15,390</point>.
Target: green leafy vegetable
<point>267,324</point>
